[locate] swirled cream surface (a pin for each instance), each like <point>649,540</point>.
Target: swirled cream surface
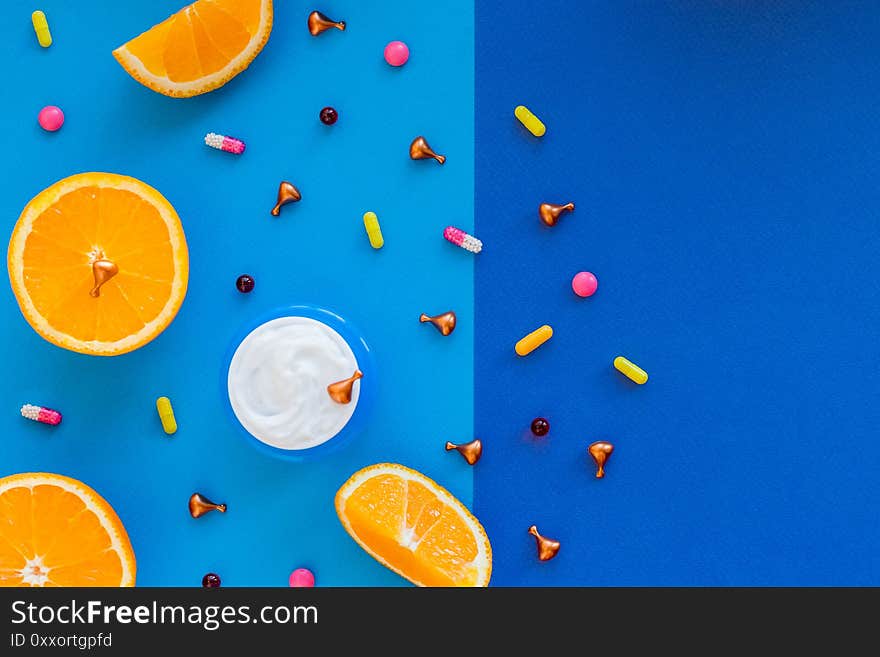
<point>278,382</point>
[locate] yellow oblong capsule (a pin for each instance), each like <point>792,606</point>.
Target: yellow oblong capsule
<point>533,340</point>
<point>41,27</point>
<point>532,123</point>
<point>630,370</point>
<point>371,223</point>
<point>166,414</point>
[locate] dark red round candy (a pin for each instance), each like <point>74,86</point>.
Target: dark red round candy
<point>245,283</point>
<point>329,116</point>
<point>211,581</point>
<point>540,427</point>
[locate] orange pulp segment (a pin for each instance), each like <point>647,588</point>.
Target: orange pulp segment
<point>415,527</point>
<point>200,48</point>
<point>77,221</point>
<point>56,531</point>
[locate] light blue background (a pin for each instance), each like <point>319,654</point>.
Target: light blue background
<point>280,514</point>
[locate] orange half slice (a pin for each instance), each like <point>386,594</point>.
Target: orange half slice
<point>98,218</point>
<point>415,527</point>
<point>56,531</point>
<point>200,48</point>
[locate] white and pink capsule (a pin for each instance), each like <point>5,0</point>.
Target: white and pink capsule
<point>41,414</point>
<point>462,239</point>
<point>224,143</point>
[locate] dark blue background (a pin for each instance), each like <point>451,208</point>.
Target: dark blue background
<point>723,158</point>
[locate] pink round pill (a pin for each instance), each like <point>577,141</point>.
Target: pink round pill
<point>396,53</point>
<point>584,284</point>
<point>51,118</point>
<point>302,578</point>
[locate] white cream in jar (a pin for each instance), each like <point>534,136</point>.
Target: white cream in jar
<point>278,380</point>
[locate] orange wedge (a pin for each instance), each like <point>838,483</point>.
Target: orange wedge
<point>62,256</point>
<point>56,531</point>
<point>415,527</point>
<point>200,48</point>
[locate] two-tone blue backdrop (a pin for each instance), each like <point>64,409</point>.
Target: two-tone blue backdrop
<point>722,156</point>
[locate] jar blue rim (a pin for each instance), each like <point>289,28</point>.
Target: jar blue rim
<point>362,353</point>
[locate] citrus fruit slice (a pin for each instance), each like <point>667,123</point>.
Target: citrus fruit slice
<point>200,48</point>
<point>98,263</point>
<point>415,527</point>
<point>56,531</point>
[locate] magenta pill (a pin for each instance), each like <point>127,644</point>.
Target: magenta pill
<point>51,118</point>
<point>584,284</point>
<point>41,414</point>
<point>302,578</point>
<point>224,143</point>
<point>396,53</point>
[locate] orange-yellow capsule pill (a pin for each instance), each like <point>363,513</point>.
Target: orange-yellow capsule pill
<point>374,232</point>
<point>41,27</point>
<point>166,414</point>
<point>533,340</point>
<point>630,370</point>
<point>532,123</point>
